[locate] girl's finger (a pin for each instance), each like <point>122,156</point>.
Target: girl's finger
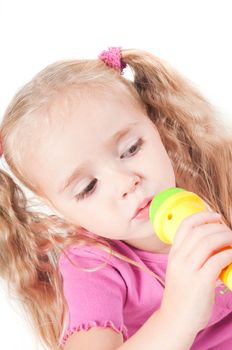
<point>208,246</point>
<point>191,222</point>
<point>203,233</point>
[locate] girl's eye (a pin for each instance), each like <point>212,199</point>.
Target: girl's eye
<point>136,146</point>
<point>87,191</point>
<point>90,188</point>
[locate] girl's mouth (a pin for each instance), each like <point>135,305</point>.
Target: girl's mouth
<point>143,213</point>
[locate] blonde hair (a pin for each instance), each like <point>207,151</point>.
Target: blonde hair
<point>195,139</point>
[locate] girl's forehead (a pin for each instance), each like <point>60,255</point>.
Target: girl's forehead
<point>89,130</point>
<point>94,112</point>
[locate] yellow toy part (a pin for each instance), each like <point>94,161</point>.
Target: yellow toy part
<point>226,276</point>
<point>169,208</point>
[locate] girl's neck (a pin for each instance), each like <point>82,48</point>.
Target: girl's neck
<point>150,244</point>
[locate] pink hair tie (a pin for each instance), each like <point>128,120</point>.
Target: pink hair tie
<point>113,58</point>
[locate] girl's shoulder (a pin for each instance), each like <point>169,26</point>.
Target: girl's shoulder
<point>119,248</point>
<point>89,256</point>
<point>132,264</point>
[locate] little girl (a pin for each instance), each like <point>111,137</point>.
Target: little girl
<point>96,148</point>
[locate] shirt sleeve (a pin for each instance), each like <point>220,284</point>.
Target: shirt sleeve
<point>94,298</point>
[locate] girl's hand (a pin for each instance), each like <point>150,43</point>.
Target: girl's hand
<point>194,265</point>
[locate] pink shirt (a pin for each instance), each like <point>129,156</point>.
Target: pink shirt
<point>123,297</point>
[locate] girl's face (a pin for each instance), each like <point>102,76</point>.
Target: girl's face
<point>101,157</point>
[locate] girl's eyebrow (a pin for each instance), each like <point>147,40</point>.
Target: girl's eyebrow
<point>78,170</point>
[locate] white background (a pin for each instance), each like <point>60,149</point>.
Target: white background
<point>194,36</point>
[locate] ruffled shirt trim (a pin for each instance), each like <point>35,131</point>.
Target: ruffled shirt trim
<point>85,326</point>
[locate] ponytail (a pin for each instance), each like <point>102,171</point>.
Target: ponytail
<point>162,89</point>
<point>28,260</point>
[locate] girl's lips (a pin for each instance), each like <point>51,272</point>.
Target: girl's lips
<point>143,213</point>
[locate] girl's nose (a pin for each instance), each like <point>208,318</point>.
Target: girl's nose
<point>129,184</point>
